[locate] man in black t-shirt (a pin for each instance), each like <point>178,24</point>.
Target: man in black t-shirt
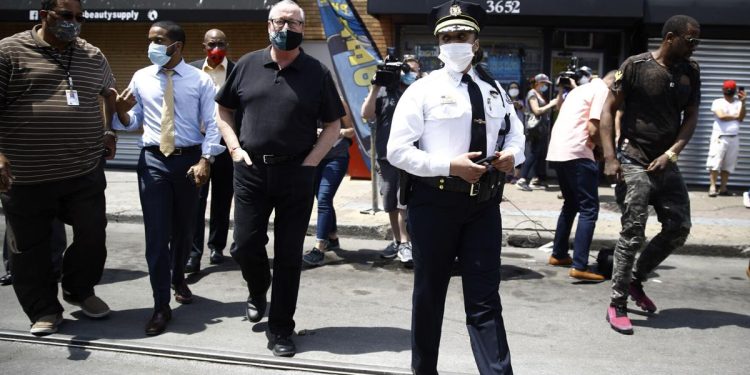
<point>660,91</point>
<point>282,93</point>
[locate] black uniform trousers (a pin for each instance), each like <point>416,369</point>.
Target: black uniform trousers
<point>220,182</point>
<point>30,211</point>
<point>445,225</point>
<point>286,189</point>
<point>169,199</point>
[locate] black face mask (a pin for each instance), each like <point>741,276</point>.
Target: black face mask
<point>730,92</point>
<point>285,40</point>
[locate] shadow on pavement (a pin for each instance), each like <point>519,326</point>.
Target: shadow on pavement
<point>116,275</point>
<point>693,318</point>
<point>510,272</point>
<point>349,340</point>
<point>130,324</point>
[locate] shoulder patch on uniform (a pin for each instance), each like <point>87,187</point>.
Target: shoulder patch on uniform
<point>618,75</point>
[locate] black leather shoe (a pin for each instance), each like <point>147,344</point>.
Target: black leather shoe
<point>158,323</point>
<point>256,307</point>
<point>193,265</point>
<point>216,257</point>
<point>6,280</point>
<point>182,293</point>
<point>281,346</point>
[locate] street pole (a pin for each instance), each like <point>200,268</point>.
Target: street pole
<point>373,179</point>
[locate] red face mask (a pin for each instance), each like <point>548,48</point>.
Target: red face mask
<point>216,55</point>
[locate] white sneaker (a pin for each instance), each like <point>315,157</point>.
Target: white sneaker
<point>404,252</point>
<point>746,199</point>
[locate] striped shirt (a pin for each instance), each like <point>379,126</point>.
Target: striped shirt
<point>44,138</point>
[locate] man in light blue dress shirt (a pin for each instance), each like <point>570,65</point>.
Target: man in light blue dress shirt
<point>169,99</point>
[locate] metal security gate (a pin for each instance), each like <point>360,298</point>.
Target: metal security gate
<point>127,151</point>
<point>719,60</point>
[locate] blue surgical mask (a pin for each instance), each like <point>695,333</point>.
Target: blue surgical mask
<point>408,78</point>
<point>65,31</point>
<point>544,88</point>
<point>157,53</point>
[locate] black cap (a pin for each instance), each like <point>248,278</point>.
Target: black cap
<point>457,15</point>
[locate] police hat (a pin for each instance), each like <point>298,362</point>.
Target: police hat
<point>457,15</point>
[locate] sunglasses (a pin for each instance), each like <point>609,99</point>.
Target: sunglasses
<point>68,15</point>
<point>692,41</point>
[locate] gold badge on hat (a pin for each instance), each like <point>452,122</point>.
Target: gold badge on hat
<point>455,10</point>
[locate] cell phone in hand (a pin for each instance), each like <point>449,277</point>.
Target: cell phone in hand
<point>741,88</point>
<point>486,160</point>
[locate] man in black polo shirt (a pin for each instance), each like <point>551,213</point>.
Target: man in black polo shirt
<point>52,139</point>
<point>282,93</point>
<point>660,92</point>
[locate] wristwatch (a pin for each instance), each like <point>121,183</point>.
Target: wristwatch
<point>112,133</point>
<point>210,158</point>
<point>671,155</point>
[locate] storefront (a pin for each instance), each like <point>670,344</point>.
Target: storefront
<point>724,53</point>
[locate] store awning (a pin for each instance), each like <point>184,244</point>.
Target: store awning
<point>149,10</point>
<point>714,12</point>
<point>567,8</point>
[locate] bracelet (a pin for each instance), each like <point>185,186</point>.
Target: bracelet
<point>112,133</point>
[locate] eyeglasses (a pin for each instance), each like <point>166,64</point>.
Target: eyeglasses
<point>280,22</point>
<point>68,15</point>
<point>691,41</point>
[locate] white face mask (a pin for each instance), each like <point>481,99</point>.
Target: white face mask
<point>513,93</point>
<point>544,88</point>
<point>584,80</point>
<point>456,56</point>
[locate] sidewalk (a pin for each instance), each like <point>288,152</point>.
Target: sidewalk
<point>721,225</point>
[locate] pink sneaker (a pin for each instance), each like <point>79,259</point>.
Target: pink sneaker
<point>617,316</point>
<point>641,299</point>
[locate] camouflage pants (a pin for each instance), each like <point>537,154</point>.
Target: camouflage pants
<point>667,192</point>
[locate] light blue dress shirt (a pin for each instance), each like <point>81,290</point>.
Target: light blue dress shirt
<point>194,104</point>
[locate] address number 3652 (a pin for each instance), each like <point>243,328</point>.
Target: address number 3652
<point>504,7</point>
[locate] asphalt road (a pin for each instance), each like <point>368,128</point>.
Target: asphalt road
<point>356,310</point>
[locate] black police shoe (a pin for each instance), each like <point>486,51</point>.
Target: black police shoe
<point>256,307</point>
<point>193,265</point>
<point>6,280</point>
<point>216,257</point>
<point>280,345</point>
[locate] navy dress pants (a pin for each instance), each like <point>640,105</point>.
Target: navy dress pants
<point>169,199</point>
<point>445,225</point>
<point>220,182</point>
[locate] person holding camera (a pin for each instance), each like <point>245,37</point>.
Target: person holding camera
<point>537,133</point>
<point>725,143</point>
<point>445,134</point>
<point>391,80</point>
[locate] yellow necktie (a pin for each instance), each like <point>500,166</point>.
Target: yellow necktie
<point>166,142</point>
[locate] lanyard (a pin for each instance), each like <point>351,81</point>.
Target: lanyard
<point>66,69</point>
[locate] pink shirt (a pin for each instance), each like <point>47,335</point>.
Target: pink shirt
<point>569,139</point>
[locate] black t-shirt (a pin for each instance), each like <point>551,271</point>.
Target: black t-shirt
<point>385,105</point>
<point>280,108</point>
<point>655,97</point>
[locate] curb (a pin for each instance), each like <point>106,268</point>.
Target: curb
<point>511,236</point>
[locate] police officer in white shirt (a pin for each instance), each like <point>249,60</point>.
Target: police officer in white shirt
<point>443,126</point>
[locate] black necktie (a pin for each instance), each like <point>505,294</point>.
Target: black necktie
<point>478,122</point>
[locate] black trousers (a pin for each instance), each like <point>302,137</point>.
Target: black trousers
<point>222,172</point>
<point>168,200</point>
<point>59,243</point>
<point>288,190</point>
<point>445,225</point>
<point>30,211</point>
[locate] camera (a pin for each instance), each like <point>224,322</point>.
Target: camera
<point>570,75</point>
<point>389,72</point>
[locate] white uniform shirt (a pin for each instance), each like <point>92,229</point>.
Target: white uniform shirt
<point>436,111</point>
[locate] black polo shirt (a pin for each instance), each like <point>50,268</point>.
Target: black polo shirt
<point>280,108</point>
